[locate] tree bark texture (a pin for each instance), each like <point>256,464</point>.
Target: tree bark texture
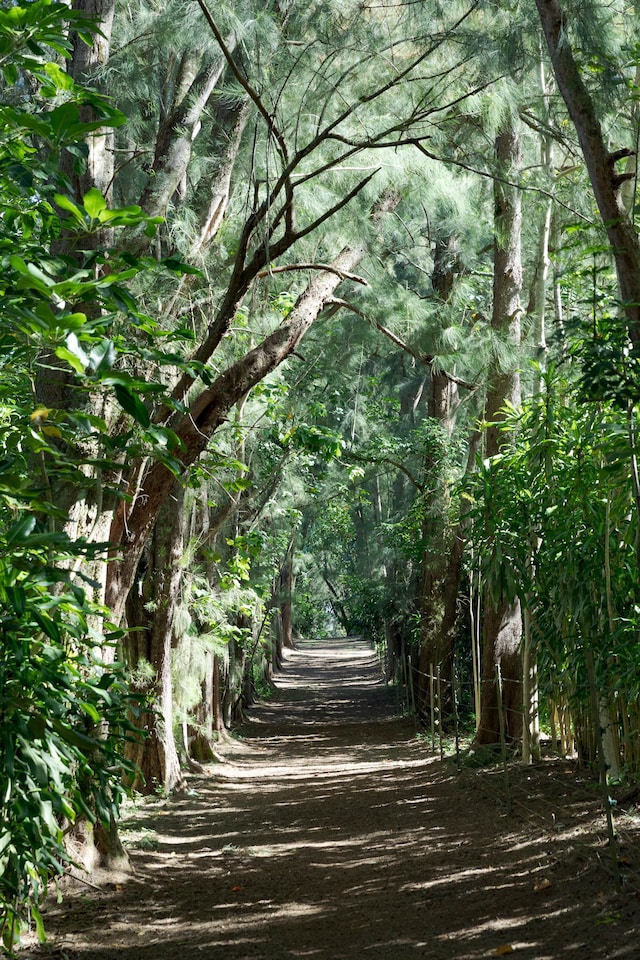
<point>135,519</point>
<point>178,129</point>
<point>150,613</point>
<point>502,629</point>
<point>286,591</point>
<point>85,60</point>
<point>600,162</point>
<point>441,567</point>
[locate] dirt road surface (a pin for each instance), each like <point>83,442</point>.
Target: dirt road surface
<point>333,834</point>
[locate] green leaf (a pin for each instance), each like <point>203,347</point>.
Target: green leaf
<point>74,348</point>
<point>165,437</point>
<point>10,72</point>
<point>21,530</point>
<point>178,266</point>
<point>48,626</point>
<point>37,917</point>
<point>73,737</point>
<point>63,354</point>
<point>17,598</point>
<point>133,405</point>
<point>94,203</point>
<point>60,77</point>
<point>5,839</point>
<point>66,204</point>
<point>90,711</point>
<point>63,118</point>
<point>103,356</point>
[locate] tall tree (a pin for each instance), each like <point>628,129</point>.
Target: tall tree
<point>502,614</point>
<point>601,162</point>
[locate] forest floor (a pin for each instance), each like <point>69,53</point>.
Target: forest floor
<point>333,833</point>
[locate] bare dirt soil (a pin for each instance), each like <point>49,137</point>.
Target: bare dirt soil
<point>333,834</point>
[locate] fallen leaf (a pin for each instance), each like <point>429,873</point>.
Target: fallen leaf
<point>501,951</point>
<point>236,889</point>
<point>541,885</point>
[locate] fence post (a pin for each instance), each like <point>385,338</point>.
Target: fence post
<point>433,710</point>
<point>606,802</point>
<point>503,739</point>
<point>455,716</point>
<point>440,713</point>
<point>412,695</point>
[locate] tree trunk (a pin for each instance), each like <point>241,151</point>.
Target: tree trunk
<point>220,189</point>
<point>442,565</point>
<point>150,614</point>
<point>502,616</point>
<point>177,132</point>
<point>286,590</point>
<point>600,162</point>
<point>135,518</point>
<point>85,60</point>
<point>200,733</point>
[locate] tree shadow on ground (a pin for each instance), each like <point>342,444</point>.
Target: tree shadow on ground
<point>333,835</point>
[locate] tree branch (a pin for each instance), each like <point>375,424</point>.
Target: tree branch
<point>286,268</point>
<point>244,83</point>
<point>427,359</point>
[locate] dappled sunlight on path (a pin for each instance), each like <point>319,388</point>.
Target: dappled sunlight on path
<point>333,835</point>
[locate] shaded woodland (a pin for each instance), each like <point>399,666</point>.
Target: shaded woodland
<point>318,319</point>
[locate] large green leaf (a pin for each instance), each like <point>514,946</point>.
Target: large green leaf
<point>133,405</point>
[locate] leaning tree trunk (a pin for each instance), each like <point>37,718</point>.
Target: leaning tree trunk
<point>600,162</point>
<point>502,616</point>
<point>135,518</point>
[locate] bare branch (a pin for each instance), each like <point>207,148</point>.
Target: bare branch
<point>286,268</point>
<point>244,83</point>
<point>417,142</point>
<point>424,358</point>
<point>360,458</point>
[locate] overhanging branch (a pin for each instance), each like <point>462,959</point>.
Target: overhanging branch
<point>425,358</point>
<point>289,267</point>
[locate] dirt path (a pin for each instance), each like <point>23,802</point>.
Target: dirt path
<point>334,835</point>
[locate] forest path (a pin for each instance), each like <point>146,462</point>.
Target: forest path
<point>333,835</point>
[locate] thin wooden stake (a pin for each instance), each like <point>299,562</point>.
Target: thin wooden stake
<point>552,723</point>
<point>440,713</point>
<point>433,710</point>
<point>455,718</point>
<point>412,696</point>
<point>503,739</point>
<point>604,785</point>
